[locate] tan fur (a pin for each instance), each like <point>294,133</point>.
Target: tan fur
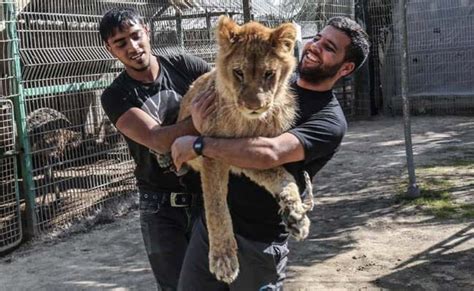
<point>257,52</point>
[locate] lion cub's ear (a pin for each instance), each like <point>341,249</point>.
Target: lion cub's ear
<point>227,32</point>
<point>283,38</point>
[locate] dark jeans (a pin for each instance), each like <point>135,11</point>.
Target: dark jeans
<point>262,265</point>
<point>166,231</point>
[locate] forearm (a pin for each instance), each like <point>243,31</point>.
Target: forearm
<point>162,137</point>
<point>255,153</point>
<point>141,128</point>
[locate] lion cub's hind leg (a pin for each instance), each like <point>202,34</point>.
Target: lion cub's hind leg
<point>283,187</point>
<point>223,261</point>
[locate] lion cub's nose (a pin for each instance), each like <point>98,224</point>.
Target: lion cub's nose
<point>256,104</point>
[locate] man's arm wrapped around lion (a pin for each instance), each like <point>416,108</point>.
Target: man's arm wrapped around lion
<point>253,66</point>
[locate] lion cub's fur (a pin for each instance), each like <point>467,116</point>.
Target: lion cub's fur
<point>253,66</point>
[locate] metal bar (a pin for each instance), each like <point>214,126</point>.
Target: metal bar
<point>20,116</point>
<point>412,190</point>
<point>208,25</point>
<point>247,7</point>
<point>66,88</point>
<point>193,16</point>
<point>179,30</point>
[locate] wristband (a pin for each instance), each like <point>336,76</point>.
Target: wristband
<point>198,145</point>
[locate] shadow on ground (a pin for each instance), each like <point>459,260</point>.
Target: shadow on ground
<point>438,267</point>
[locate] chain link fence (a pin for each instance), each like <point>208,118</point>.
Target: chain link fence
<point>440,51</point>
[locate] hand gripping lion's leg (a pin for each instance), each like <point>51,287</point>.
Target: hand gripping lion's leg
<point>223,260</point>
<point>283,187</point>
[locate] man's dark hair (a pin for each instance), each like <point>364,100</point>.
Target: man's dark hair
<point>358,50</point>
<point>118,18</point>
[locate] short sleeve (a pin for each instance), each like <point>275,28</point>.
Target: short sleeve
<point>191,67</point>
<point>322,133</point>
<point>196,66</point>
<point>115,103</point>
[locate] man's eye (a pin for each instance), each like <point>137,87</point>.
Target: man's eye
<point>137,36</point>
<point>121,44</point>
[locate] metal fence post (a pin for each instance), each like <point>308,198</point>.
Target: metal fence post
<point>413,190</point>
<point>179,29</point>
<point>247,7</point>
<point>20,117</point>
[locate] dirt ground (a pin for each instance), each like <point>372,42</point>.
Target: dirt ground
<point>360,237</point>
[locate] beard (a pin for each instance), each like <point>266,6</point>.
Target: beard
<point>317,74</point>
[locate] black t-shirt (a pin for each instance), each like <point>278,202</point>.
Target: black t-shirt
<point>160,100</point>
<point>320,128</point>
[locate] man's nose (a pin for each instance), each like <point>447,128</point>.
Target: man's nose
<point>316,46</point>
<point>133,45</point>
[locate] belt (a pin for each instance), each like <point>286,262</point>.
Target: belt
<point>173,199</point>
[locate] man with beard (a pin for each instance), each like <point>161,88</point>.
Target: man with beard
<point>335,52</point>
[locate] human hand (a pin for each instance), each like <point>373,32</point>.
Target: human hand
<point>182,150</point>
<point>202,107</point>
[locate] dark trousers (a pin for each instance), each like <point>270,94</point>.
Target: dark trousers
<point>166,231</point>
<point>262,265</point>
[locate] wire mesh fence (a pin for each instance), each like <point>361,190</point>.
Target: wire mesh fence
<point>78,160</point>
<point>11,232</point>
<point>440,51</point>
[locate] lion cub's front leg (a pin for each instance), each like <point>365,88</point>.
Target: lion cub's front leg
<point>223,260</point>
<point>283,187</point>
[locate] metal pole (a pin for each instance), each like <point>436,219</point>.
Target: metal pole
<point>208,25</point>
<point>20,116</point>
<point>412,190</point>
<point>179,30</point>
<point>247,7</point>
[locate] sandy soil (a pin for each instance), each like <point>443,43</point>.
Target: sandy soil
<point>360,238</point>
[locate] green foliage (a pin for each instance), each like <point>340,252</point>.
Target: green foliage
<point>436,196</point>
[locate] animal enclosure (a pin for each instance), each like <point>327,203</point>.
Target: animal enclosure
<point>61,159</point>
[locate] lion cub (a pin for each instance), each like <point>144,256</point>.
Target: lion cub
<point>253,66</point>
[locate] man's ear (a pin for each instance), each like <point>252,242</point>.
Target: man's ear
<point>346,69</point>
<point>107,46</point>
<point>147,29</point>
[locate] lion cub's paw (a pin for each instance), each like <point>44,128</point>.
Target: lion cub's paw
<point>224,264</point>
<point>296,221</point>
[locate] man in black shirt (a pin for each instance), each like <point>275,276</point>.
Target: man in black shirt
<point>143,103</point>
<point>340,48</point>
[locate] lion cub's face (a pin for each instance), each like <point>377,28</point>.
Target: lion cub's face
<point>253,64</point>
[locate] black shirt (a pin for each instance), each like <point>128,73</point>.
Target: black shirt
<point>320,128</point>
<point>160,100</point>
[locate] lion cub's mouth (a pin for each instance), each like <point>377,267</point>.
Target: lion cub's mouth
<point>254,114</point>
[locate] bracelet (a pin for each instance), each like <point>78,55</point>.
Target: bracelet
<point>198,145</point>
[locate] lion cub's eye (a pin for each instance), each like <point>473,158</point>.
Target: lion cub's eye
<point>269,74</point>
<point>238,74</point>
